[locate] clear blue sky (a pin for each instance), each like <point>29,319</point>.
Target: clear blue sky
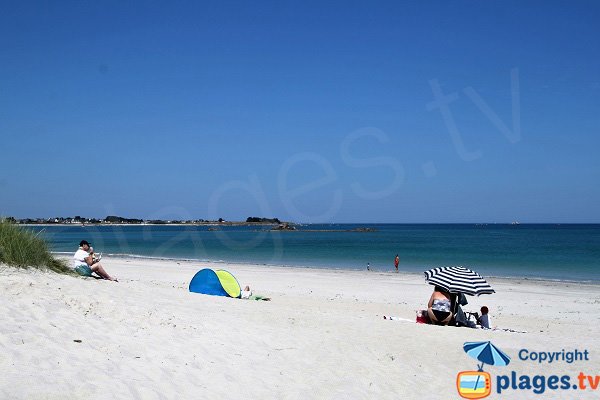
<point>305,111</point>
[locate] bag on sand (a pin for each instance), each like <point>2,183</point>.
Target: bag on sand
<point>422,317</point>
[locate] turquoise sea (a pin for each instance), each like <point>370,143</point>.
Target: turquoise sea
<point>548,251</point>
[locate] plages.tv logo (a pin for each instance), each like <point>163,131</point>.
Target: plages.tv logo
<point>478,384</point>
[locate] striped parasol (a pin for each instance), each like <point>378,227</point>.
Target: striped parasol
<point>458,280</point>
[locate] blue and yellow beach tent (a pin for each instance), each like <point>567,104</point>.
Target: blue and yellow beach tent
<point>215,283</point>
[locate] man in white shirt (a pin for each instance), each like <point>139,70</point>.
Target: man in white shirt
<point>83,262</point>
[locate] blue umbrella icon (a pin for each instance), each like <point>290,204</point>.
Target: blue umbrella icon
<point>487,353</point>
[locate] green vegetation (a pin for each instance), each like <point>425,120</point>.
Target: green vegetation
<point>263,220</point>
<point>22,248</point>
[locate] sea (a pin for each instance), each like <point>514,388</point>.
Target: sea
<point>568,252</point>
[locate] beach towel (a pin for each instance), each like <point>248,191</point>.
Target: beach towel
<point>393,318</point>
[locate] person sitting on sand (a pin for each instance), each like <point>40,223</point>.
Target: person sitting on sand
<point>247,295</point>
<point>84,263</point>
<point>438,307</point>
<point>484,320</point>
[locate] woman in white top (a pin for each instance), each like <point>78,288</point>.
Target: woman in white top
<point>84,263</point>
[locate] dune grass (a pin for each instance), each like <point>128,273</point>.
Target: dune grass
<point>22,248</point>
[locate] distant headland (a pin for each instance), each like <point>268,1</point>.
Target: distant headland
<point>116,220</point>
<point>274,224</point>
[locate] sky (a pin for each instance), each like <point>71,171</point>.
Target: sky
<point>348,111</point>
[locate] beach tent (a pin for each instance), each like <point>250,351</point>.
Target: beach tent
<point>215,283</point>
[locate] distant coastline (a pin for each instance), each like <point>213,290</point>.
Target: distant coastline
<point>121,221</point>
<point>274,223</point>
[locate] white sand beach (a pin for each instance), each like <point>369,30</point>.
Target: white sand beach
<point>322,336</point>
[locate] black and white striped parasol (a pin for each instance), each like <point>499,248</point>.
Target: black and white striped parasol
<point>458,280</point>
